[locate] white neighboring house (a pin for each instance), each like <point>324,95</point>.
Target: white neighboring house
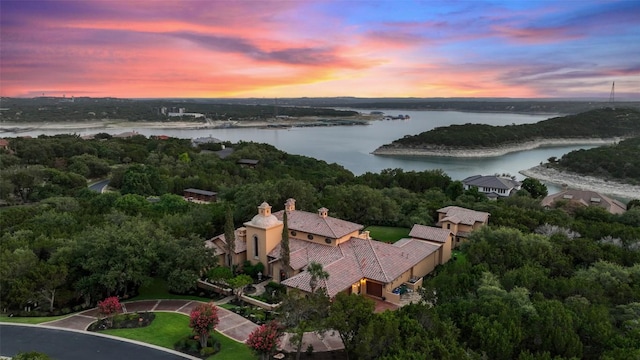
<point>493,186</point>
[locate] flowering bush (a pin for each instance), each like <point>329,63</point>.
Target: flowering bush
<point>203,320</point>
<point>109,307</point>
<point>265,339</point>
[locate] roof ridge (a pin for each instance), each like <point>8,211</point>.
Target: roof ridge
<point>386,277</point>
<point>333,233</point>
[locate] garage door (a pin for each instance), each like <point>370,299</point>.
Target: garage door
<point>374,289</point>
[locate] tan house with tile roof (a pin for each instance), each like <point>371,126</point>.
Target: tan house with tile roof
<point>437,236</point>
<point>355,262</point>
<point>461,222</point>
<point>585,198</point>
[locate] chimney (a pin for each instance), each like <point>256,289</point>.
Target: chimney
<point>290,205</point>
<point>323,212</point>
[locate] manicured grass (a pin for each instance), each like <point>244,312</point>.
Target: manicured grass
<point>388,234</point>
<point>158,289</point>
<point>30,320</point>
<point>168,328</point>
<point>460,256</point>
<point>165,330</point>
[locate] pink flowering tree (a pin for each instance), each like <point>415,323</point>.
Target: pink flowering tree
<point>203,320</point>
<point>265,339</point>
<point>109,307</point>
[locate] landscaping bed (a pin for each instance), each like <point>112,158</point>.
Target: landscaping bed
<point>252,313</point>
<point>124,321</point>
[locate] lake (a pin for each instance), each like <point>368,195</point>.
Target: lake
<point>351,146</point>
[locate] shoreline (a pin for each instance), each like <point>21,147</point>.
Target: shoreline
<point>387,150</point>
<point>583,182</point>
<point>186,125</point>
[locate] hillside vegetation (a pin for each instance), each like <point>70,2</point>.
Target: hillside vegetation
<point>599,123</point>
<point>620,161</point>
<point>85,109</point>
<point>560,283</point>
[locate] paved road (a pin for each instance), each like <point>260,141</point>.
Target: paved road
<point>74,345</point>
<point>100,185</point>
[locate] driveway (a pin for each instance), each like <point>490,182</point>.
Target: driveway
<point>231,324</point>
<point>77,345</point>
<point>100,185</point>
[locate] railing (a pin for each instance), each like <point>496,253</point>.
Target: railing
<point>417,283</point>
<point>259,303</point>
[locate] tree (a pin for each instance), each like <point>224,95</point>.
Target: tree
<point>633,203</point>
<point>300,314</point>
<point>203,319</point>
<point>265,339</point>
<point>285,252</point>
<point>535,188</point>
<point>347,313</point>
<point>230,236</point>
<point>317,273</point>
<point>455,189</point>
<point>238,283</point>
<point>109,307</point>
<point>182,280</point>
<point>220,274</point>
<point>50,277</point>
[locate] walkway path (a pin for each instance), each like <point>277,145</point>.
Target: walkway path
<point>231,324</point>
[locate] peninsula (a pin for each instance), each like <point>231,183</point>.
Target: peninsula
<point>594,127</point>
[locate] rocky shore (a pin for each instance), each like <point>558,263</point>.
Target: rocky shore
<point>582,182</point>
<point>189,125</point>
<point>393,150</point>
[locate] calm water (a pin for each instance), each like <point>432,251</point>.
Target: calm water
<point>350,146</point>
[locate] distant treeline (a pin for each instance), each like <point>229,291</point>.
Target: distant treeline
<point>83,109</point>
<point>620,161</point>
<point>459,104</point>
<point>599,123</point>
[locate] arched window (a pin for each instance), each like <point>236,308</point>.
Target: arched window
<point>255,246</point>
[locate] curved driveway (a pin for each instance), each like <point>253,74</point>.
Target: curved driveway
<point>231,325</point>
<point>76,345</point>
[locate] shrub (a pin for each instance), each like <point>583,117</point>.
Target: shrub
<point>203,320</point>
<point>207,351</point>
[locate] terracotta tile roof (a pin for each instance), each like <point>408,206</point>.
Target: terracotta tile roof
<point>342,274</point>
<point>458,215</point>
<point>586,198</point>
<point>302,252</point>
<point>221,243</point>
<point>355,259</point>
<point>429,233</point>
<point>315,224</point>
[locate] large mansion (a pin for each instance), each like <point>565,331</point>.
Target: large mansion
<point>356,263</point>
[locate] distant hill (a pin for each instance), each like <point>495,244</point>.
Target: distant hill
<point>56,109</point>
<point>598,123</point>
<point>620,161</point>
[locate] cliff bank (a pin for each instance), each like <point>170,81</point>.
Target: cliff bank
<point>392,150</point>
<point>583,182</point>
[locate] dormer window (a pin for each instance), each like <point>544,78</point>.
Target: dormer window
<point>293,233</point>
<point>310,237</point>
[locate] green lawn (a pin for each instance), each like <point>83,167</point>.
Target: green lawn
<point>168,328</point>
<point>388,234</point>
<point>158,289</point>
<point>461,257</point>
<point>30,320</point>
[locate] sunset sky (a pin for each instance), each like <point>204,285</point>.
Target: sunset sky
<point>401,48</point>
